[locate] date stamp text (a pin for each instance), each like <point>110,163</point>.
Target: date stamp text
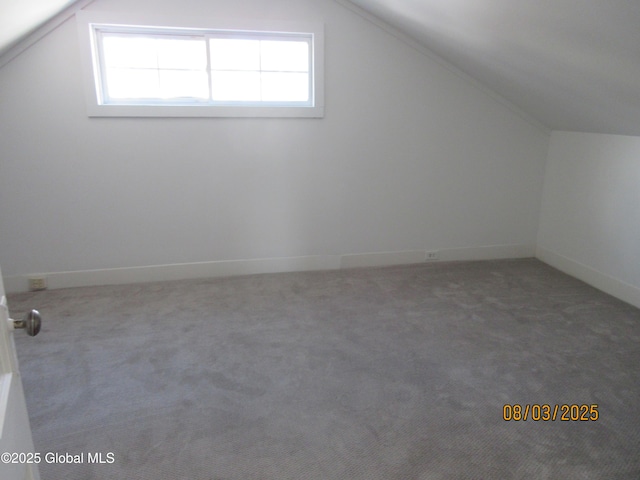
<point>550,413</point>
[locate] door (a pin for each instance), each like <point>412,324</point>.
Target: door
<point>18,460</point>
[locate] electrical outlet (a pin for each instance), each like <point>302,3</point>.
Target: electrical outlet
<point>431,256</point>
<point>37,283</point>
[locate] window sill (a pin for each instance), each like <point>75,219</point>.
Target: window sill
<point>199,111</point>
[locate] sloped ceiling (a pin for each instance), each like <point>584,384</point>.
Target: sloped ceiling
<point>18,18</point>
<point>570,64</point>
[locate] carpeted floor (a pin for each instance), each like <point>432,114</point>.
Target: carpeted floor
<point>376,374</point>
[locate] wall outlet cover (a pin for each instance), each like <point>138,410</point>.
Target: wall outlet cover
<point>37,283</point>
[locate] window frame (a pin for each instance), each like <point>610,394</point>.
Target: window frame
<point>90,24</point>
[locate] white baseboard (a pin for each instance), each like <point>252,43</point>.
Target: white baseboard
<point>178,271</point>
<point>382,259</point>
<point>227,268</point>
<point>608,284</point>
<point>488,252</point>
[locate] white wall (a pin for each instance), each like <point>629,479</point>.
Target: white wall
<point>590,219</point>
<point>409,157</point>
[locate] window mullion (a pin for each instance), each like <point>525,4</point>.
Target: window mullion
<point>260,67</point>
<point>156,44</point>
<point>209,74</point>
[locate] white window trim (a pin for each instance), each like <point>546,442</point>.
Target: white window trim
<point>86,20</point>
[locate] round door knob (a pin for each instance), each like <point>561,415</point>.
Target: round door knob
<point>31,322</point>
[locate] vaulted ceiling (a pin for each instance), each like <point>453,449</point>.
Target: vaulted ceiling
<point>18,18</point>
<point>570,64</point>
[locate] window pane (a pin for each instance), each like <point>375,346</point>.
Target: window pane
<point>185,54</point>
<point>285,87</point>
<point>234,54</point>
<point>132,83</point>
<point>129,51</point>
<point>285,56</point>
<point>175,66</point>
<point>184,84</point>
<point>235,86</point>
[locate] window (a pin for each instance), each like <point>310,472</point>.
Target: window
<point>178,71</point>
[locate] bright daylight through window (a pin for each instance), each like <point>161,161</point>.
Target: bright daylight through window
<point>186,69</point>
<point>206,72</point>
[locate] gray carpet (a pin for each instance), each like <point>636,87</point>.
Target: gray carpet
<point>387,373</point>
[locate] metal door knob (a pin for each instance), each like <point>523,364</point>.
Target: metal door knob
<point>31,322</point>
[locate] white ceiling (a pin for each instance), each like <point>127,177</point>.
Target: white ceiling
<point>18,18</point>
<point>570,64</point>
